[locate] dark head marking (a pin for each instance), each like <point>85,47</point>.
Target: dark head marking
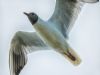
<point>32,17</point>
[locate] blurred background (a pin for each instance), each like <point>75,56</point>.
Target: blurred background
<point>84,38</point>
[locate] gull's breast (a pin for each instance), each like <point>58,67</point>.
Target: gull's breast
<point>50,35</point>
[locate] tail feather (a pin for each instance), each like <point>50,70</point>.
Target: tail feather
<point>72,56</point>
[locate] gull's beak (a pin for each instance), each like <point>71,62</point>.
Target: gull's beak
<point>26,14</point>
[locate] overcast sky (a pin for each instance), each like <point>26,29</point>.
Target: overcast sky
<point>84,38</point>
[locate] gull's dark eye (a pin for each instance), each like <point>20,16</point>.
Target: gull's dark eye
<point>32,14</point>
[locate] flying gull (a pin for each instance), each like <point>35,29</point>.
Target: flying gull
<point>51,34</point>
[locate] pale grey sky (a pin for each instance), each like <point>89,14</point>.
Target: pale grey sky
<point>84,38</point>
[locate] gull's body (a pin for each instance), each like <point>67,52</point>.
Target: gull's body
<point>54,38</point>
<point>51,34</point>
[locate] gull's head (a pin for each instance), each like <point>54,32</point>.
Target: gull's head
<point>32,17</point>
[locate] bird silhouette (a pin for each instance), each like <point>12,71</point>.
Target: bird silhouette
<point>51,34</point>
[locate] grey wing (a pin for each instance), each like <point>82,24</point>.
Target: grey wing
<point>65,14</point>
<point>22,44</point>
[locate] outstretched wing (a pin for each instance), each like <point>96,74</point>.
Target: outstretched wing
<point>22,44</point>
<point>65,14</point>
